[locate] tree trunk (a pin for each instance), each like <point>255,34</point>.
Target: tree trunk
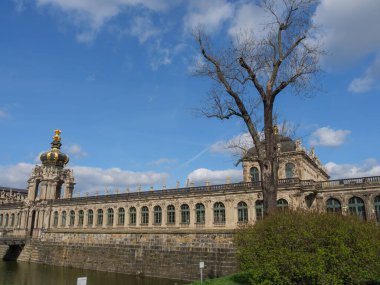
<point>269,173</point>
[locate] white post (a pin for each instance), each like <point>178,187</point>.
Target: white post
<point>201,266</point>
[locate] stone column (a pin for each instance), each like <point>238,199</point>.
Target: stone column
<point>115,217</point>
<point>193,217</point>
<point>209,213</point>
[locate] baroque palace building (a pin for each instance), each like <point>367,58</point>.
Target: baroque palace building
<point>188,224</point>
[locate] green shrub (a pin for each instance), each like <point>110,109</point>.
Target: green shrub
<point>296,247</point>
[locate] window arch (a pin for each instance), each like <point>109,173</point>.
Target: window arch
<point>6,220</point>
<point>1,219</point>
<point>185,214</point>
<point>219,213</point>
<point>18,220</point>
<point>259,207</point>
<point>144,215</point>
<point>282,204</point>
<point>121,216</point>
<point>80,217</point>
<point>132,216</point>
<point>55,219</point>
<point>242,212</point>
<point>157,215</point>
<point>110,217</point>
<point>72,218</point>
<point>357,208</point>
<point>90,217</point>
<point>63,219</point>
<point>12,219</point>
<point>99,220</point>
<point>333,206</point>
<point>377,208</point>
<point>255,175</point>
<point>200,213</point>
<point>171,214</point>
<point>289,170</point>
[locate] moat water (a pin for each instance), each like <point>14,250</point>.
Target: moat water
<point>22,273</point>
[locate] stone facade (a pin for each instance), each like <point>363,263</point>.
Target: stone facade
<point>165,233</point>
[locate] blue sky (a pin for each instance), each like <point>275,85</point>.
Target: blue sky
<point>115,77</point>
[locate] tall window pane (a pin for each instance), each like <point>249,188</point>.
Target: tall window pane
<point>72,218</point>
<point>99,221</point>
<point>121,216</point>
<point>219,213</point>
<point>357,208</point>
<point>289,170</point>
<point>90,217</point>
<point>242,212</point>
<point>12,220</point>
<point>109,217</point>
<point>144,215</point>
<point>171,214</point>
<point>282,204</point>
<point>200,213</point>
<point>254,174</point>
<point>377,208</point>
<point>63,219</point>
<point>1,219</point>
<point>80,217</point>
<point>259,206</point>
<point>55,218</point>
<point>185,214</point>
<point>132,216</point>
<point>333,206</point>
<point>157,215</point>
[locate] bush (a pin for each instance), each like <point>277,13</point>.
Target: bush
<point>309,248</point>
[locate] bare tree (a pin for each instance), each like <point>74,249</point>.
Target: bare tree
<point>257,69</point>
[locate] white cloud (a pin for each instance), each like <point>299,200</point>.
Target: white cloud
<point>75,150</point>
<point>349,32</point>
<point>88,179</point>
<point>19,5</point>
<point>369,80</point>
<point>201,175</point>
<point>236,145</point>
<point>207,14</point>
<point>3,114</point>
<point>369,167</point>
<point>90,15</point>
<point>143,28</point>
<point>328,137</point>
<point>249,18</point>
<point>162,161</point>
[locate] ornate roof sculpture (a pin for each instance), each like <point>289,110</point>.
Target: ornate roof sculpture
<point>55,157</point>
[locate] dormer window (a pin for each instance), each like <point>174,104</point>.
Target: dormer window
<point>254,174</point>
<point>289,170</point>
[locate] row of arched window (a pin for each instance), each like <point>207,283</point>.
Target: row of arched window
<point>9,220</point>
<point>289,172</point>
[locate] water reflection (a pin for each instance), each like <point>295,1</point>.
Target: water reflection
<point>22,273</point>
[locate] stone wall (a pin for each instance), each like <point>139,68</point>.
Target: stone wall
<point>174,256</point>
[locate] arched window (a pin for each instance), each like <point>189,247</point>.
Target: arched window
<point>109,217</point>
<point>157,215</point>
<point>80,217</point>
<point>18,219</point>
<point>219,213</point>
<point>121,216</point>
<point>72,218</point>
<point>99,221</point>
<point>1,219</point>
<point>200,213</point>
<point>289,170</point>
<point>63,219</point>
<point>333,206</point>
<point>255,177</point>
<point>6,220</point>
<point>282,204</point>
<point>171,214</point>
<point>357,208</point>
<point>259,206</point>
<point>185,214</point>
<point>144,215</point>
<point>377,208</point>
<point>132,216</point>
<point>55,219</point>
<point>12,219</point>
<point>242,212</point>
<point>90,217</point>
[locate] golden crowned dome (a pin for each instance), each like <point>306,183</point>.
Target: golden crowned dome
<point>54,157</point>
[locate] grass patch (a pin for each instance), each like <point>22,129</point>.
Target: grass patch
<point>234,279</point>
